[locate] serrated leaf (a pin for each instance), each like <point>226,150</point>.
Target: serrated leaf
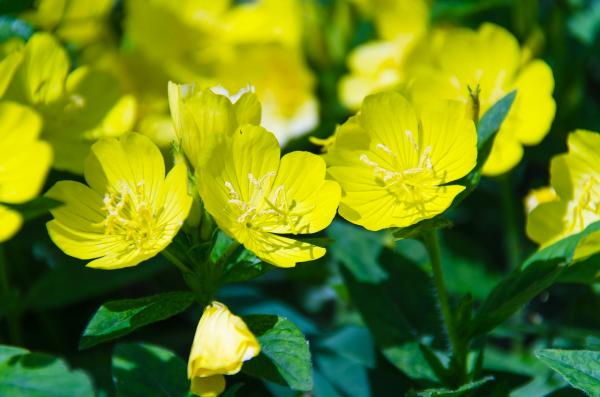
<point>117,318</point>
<point>581,368</point>
<point>443,392</point>
<point>144,370</point>
<point>284,357</point>
<point>41,375</point>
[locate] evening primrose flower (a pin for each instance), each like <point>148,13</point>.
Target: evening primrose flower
<point>221,344</point>
<point>378,65</point>
<point>290,109</point>
<point>575,178</point>
<point>77,107</point>
<point>24,162</point>
<point>257,198</point>
<point>490,59</point>
<point>395,166</point>
<point>79,22</point>
<point>204,118</point>
<point>129,212</point>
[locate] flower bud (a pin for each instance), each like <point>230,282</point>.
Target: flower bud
<point>221,344</point>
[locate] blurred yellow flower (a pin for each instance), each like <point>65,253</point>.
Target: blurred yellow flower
<point>378,65</point>
<point>24,162</point>
<point>395,166</point>
<point>77,107</point>
<point>283,83</point>
<point>256,197</point>
<point>490,59</point>
<point>221,344</point>
<point>203,118</point>
<point>78,22</point>
<point>184,37</point>
<point>539,196</point>
<point>575,177</point>
<point>129,213</point>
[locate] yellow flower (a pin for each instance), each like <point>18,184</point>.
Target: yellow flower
<point>221,344</point>
<point>265,22</point>
<point>492,60</point>
<point>283,83</point>
<point>575,177</point>
<point>378,65</point>
<point>129,213</point>
<point>24,162</point>
<point>77,107</point>
<point>255,197</point>
<point>394,167</point>
<point>76,21</point>
<point>203,118</point>
<point>184,37</point>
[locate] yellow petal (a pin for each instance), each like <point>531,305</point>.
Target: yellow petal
<point>533,110</point>
<point>24,161</point>
<point>10,223</point>
<point>8,67</point>
<point>133,159</point>
<point>211,386</point>
<point>546,223</point>
<point>506,153</point>
<point>451,137</point>
<point>301,184</point>
<point>202,120</point>
<point>175,200</point>
<point>221,344</point>
<point>41,76</point>
<point>282,251</point>
<point>248,109</point>
<point>390,120</point>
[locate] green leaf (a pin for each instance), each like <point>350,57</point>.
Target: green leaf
<point>457,9</point>
<point>36,207</point>
<point>353,343</point>
<point>581,368</point>
<point>562,250</point>
<point>358,250</point>
<point>490,124</point>
<point>398,314</point>
<point>117,318</point>
<point>7,352</point>
<point>442,392</point>
<point>232,390</point>
<point>539,272</point>
<point>416,230</point>
<point>58,287</point>
<point>347,376</point>
<point>284,357</point>
<point>41,375</point>
<point>144,370</point>
<point>511,294</point>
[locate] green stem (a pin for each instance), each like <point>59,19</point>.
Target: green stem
<point>432,243</point>
<point>512,241</point>
<point>10,310</point>
<point>172,258</point>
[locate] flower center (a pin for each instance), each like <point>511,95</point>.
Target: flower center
<point>406,184</point>
<point>131,214</point>
<point>267,207</point>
